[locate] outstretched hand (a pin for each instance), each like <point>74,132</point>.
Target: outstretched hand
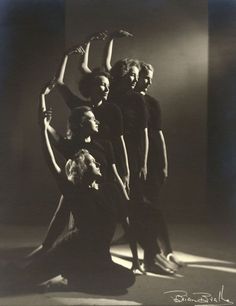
<point>120,34</point>
<point>143,173</point>
<point>76,49</point>
<point>98,36</point>
<point>125,180</point>
<point>47,116</point>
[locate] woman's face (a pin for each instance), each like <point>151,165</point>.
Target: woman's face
<point>90,123</point>
<point>145,80</point>
<point>100,88</point>
<point>93,168</point>
<point>131,78</point>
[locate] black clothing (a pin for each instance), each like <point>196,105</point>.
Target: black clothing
<point>156,160</point>
<point>154,225</point>
<point>70,98</point>
<point>107,113</point>
<point>109,117</point>
<point>83,255</point>
<point>101,150</point>
<point>103,154</point>
<point>150,229</point>
<point>153,113</point>
<point>134,113</point>
<point>111,121</point>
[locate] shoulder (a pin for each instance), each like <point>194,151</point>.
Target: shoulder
<point>134,94</point>
<point>152,101</point>
<point>113,108</point>
<point>101,143</point>
<point>135,97</point>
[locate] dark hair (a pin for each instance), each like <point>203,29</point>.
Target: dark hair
<point>88,80</point>
<point>76,119</point>
<point>122,67</point>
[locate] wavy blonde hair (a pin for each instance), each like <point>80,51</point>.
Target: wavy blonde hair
<point>76,167</point>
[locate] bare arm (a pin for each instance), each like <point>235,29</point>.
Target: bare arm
<point>116,174</point>
<point>127,176</point>
<point>62,68</point>
<point>165,169</point>
<point>54,136</point>
<point>143,171</point>
<point>45,117</point>
<point>85,58</point>
<point>107,55</point>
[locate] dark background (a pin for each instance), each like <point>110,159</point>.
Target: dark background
<point>191,45</point>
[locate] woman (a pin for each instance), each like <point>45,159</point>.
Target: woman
<point>82,128</point>
<point>125,76</point>
<point>94,86</point>
<point>83,255</point>
<point>136,114</point>
<point>157,167</point>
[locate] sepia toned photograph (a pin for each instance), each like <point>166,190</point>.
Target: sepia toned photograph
<point>117,152</point>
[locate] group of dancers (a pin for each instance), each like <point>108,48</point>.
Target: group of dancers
<point>115,164</point>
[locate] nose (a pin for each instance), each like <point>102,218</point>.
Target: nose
<point>106,88</point>
<point>97,122</point>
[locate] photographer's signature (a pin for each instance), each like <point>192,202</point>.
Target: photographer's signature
<point>200,298</point>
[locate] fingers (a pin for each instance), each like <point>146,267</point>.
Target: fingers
<point>127,188</point>
<point>141,175</point>
<point>99,35</point>
<point>47,114</point>
<point>125,180</point>
<point>80,50</point>
<point>121,33</point>
<point>77,49</point>
<point>125,33</point>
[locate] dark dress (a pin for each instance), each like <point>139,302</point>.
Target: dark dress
<point>156,162</point>
<point>134,113</point>
<point>103,153</point>
<point>109,117</point>
<point>83,254</point>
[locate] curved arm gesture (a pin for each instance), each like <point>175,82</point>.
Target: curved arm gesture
<point>85,58</point>
<point>107,55</point>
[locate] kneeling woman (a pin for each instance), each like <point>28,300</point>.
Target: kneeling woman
<point>83,255</point>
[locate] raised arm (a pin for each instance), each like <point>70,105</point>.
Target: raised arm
<point>45,118</point>
<point>107,55</point>
<point>62,68</point>
<point>85,58</point>
<point>55,138</point>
